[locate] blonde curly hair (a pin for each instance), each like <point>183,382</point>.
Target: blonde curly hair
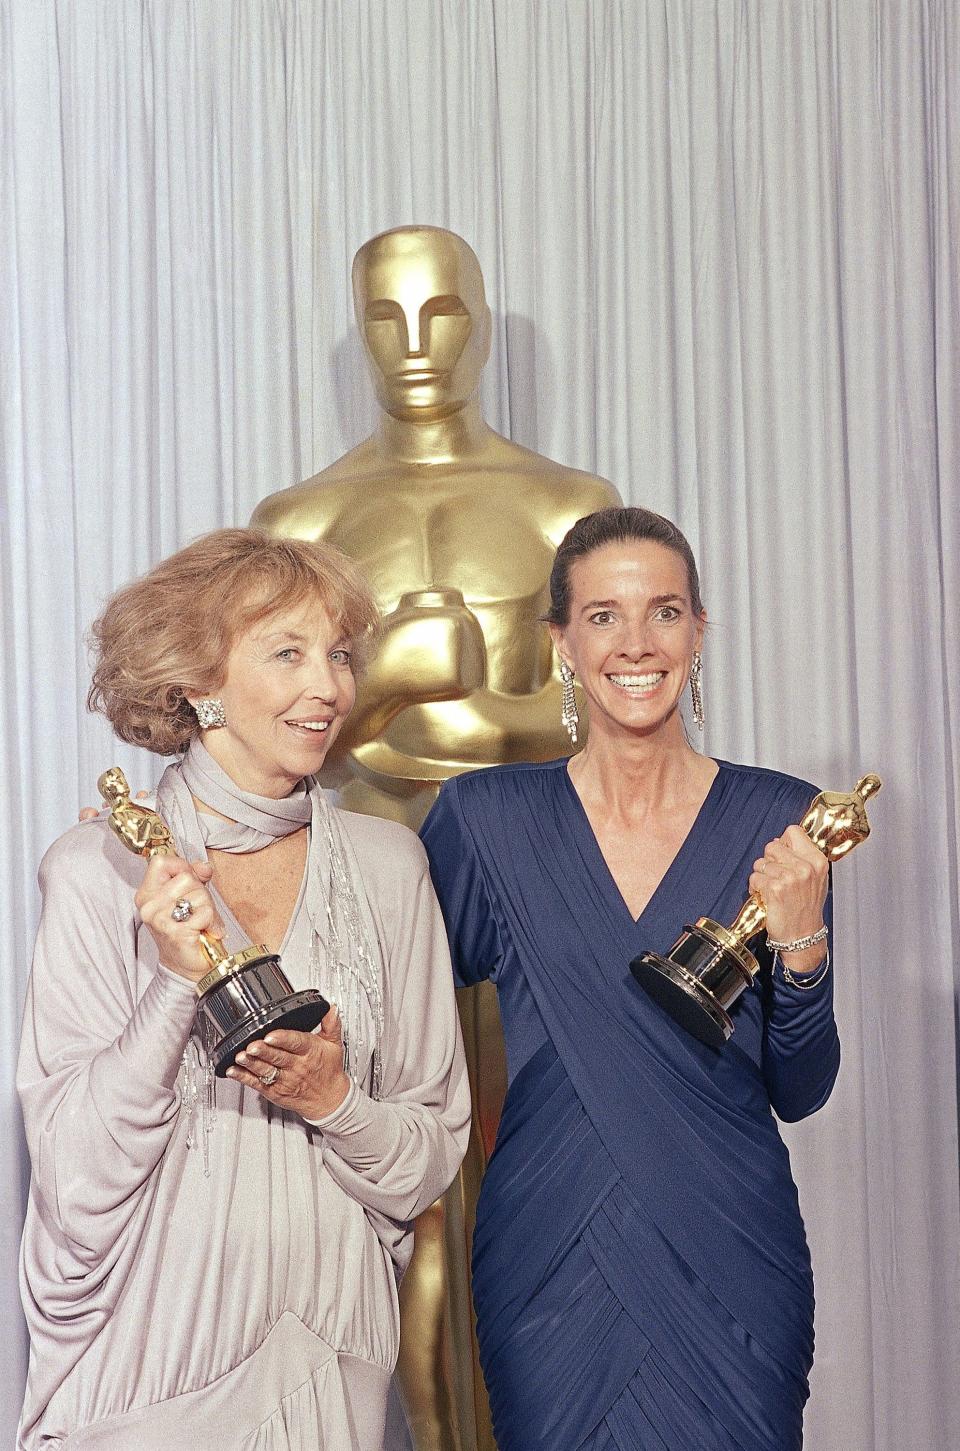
<point>168,635</point>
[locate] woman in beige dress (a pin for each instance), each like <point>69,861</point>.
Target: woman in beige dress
<point>219,1269</point>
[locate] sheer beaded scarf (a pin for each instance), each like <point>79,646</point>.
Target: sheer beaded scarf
<point>345,957</point>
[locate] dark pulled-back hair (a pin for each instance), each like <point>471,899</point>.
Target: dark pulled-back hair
<point>615,526</point>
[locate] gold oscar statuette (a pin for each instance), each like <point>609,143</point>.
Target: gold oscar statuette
<point>709,965</point>
<point>245,993</point>
<point>455,526</point>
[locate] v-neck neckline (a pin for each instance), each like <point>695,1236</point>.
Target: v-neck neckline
<point>601,868</point>
<point>228,912</point>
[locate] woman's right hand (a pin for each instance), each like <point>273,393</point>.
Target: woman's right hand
<point>167,880</point>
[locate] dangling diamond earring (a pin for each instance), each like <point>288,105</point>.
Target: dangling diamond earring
<point>210,713</point>
<point>696,693</point>
<point>569,715</point>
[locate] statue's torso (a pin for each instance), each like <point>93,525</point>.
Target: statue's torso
<point>486,527</point>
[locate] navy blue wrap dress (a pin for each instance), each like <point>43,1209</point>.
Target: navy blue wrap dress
<point>640,1269</point>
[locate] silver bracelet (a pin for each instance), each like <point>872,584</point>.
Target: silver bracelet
<point>807,980</point>
<point>799,943</point>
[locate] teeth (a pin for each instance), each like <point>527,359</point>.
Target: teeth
<point>638,682</point>
<point>310,725</point>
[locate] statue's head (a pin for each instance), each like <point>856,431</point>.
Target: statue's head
<point>424,319</point>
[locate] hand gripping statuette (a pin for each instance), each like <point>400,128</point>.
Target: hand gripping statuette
<point>709,966</point>
<point>245,993</point>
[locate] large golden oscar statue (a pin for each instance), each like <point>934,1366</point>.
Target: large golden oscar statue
<point>455,527</point>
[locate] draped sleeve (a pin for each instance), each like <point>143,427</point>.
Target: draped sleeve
<point>476,946</point>
<point>801,1046</point>
<point>101,1046</point>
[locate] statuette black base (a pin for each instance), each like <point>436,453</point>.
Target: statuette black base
<point>250,1002</point>
<point>702,975</point>
<point>685,1001</point>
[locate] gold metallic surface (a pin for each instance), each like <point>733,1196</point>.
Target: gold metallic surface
<point>731,938</point>
<point>748,922</point>
<point>836,822</point>
<point>141,830</point>
<point>146,834</point>
<point>227,966</point>
<point>455,526</point>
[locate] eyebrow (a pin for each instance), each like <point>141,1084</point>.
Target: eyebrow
<point>285,635</point>
<point>609,604</point>
<point>297,639</point>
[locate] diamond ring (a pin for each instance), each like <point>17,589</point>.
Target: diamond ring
<point>181,909</point>
<point>268,1079</point>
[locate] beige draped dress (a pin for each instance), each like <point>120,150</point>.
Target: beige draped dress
<point>245,1298</point>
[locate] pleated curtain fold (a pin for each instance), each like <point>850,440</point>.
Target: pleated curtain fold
<point>719,240</point>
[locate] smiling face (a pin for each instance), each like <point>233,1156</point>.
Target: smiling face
<point>421,309</point>
<point>288,687</point>
<point>630,636</point>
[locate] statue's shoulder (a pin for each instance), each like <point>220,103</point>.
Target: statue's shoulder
<point>574,490</point>
<point>576,494</point>
<point>307,510</point>
<point>560,495</point>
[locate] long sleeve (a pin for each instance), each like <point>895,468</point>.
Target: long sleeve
<point>395,1155</point>
<point>801,1046</point>
<point>476,948</point>
<point>100,1049</point>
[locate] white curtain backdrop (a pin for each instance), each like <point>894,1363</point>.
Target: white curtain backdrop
<point>719,240</point>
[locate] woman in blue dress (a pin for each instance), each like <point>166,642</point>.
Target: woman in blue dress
<point>641,1274</point>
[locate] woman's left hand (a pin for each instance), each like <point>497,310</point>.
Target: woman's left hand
<point>791,880</point>
<point>309,1068</point>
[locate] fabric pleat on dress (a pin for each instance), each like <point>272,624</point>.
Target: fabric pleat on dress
<point>334,1408</point>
